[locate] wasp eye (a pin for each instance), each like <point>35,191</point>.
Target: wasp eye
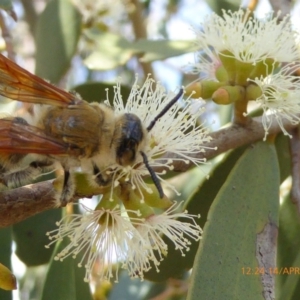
<point>127,152</point>
<point>131,135</point>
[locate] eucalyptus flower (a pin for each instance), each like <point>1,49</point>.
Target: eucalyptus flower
<point>245,38</point>
<point>177,132</point>
<point>102,235</point>
<point>237,46</point>
<point>280,97</point>
<point>178,226</point>
<point>113,240</point>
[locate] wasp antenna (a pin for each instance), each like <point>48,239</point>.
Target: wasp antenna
<point>165,109</point>
<point>153,175</point>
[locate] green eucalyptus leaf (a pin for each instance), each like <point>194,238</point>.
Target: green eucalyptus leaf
<point>199,203</point>
<point>112,50</point>
<point>161,49</point>
<point>245,211</point>
<point>30,237</point>
<point>6,4</point>
<point>130,289</point>
<point>157,288</point>
<point>5,255</point>
<point>288,254</point>
<point>65,279</point>
<point>57,34</point>
<point>97,91</point>
<point>218,5</point>
<point>282,144</point>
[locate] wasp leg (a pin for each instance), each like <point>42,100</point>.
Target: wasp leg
<point>19,177</point>
<point>11,164</point>
<point>68,189</point>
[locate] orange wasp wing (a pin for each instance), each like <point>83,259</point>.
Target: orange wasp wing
<point>23,139</point>
<point>18,84</point>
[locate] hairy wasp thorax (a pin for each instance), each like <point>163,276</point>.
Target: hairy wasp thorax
<point>87,127</point>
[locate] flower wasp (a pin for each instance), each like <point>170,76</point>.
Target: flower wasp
<point>61,128</point>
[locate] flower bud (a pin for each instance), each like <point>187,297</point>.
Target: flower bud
<point>228,94</point>
<point>253,92</point>
<point>194,90</point>
<point>207,88</point>
<point>221,74</point>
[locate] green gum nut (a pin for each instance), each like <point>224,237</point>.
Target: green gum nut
<point>108,201</point>
<point>85,188</point>
<point>193,90</point>
<point>153,199</point>
<point>229,65</point>
<point>131,200</point>
<point>243,71</point>
<point>207,88</point>
<point>221,74</point>
<point>264,68</point>
<point>253,92</point>
<point>229,94</point>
